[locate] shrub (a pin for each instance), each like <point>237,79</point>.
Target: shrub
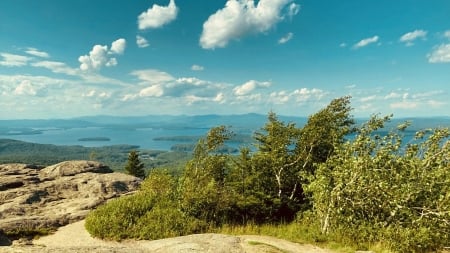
<point>152,213</point>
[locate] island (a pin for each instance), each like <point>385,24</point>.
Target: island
<point>94,139</point>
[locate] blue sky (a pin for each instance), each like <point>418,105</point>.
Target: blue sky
<point>61,59</point>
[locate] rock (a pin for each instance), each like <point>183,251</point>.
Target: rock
<point>38,199</point>
<point>71,168</point>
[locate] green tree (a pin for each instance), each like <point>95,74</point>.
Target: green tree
<point>324,131</point>
<point>203,191</point>
<point>375,188</point>
<point>134,165</point>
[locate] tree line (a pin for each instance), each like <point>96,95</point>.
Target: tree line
<point>372,188</point>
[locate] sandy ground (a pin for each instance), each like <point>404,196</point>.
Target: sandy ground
<point>75,238</point>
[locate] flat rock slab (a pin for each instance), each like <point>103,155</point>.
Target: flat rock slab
<point>75,238</point>
<point>35,198</point>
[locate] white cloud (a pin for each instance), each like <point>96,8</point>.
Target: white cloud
<point>343,44</point>
<point>118,46</point>
<point>157,16</point>
<point>36,52</point>
<point>128,97</point>
<point>410,37</point>
<point>350,86</point>
<point>404,105</point>
<point>191,80</point>
<point>440,54</point>
<point>368,99</point>
<point>280,97</point>
<point>56,67</point>
<point>293,9</point>
<point>436,104</point>
<point>99,56</point>
<point>393,95</point>
<point>91,93</point>
<point>25,88</point>
<point>305,94</point>
<point>196,67</point>
<point>14,60</point>
<point>142,42</point>
<point>249,87</point>
<point>152,91</point>
<point>286,38</point>
<point>220,98</point>
<point>447,34</point>
<point>152,76</point>
<point>366,42</point>
<point>240,17</point>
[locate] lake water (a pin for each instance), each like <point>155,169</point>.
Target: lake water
<point>142,137</point>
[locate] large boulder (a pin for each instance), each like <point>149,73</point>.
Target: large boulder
<point>33,198</point>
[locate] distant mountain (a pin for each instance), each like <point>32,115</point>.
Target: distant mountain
<point>247,121</point>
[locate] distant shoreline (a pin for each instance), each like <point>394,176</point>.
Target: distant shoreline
<point>95,139</point>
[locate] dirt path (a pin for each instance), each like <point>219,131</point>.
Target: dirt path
<point>75,238</point>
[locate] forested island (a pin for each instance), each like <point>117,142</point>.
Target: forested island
<point>95,139</point>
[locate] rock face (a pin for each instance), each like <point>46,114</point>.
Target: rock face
<point>33,197</point>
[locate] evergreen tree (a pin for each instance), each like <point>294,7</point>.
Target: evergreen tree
<point>134,165</point>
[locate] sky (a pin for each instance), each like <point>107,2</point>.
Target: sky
<point>63,59</point>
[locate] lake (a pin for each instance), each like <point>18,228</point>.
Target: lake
<point>142,137</point>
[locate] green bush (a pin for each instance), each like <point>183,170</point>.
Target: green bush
<point>118,218</point>
<point>152,213</point>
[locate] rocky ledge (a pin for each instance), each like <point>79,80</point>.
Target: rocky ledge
<point>34,198</point>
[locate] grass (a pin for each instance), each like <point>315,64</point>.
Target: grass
<point>300,233</point>
<point>29,232</point>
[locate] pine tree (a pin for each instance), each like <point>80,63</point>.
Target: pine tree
<point>134,165</point>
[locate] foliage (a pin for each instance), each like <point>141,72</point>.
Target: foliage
<point>207,171</point>
<point>303,184</point>
<point>376,188</point>
<point>150,214</point>
<point>134,165</point>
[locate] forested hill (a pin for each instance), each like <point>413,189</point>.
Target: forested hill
<point>13,151</point>
<point>248,121</point>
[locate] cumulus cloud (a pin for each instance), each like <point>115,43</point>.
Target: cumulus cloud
<point>141,41</point>
<point>196,67</point>
<point>286,38</point>
<point>240,17</point>
<point>157,16</point>
<point>36,52</point>
<point>440,54</point>
<point>14,60</point>
<point>305,94</point>
<point>152,76</point>
<point>100,56</point>
<point>410,37</point>
<point>118,46</point>
<point>249,87</point>
<point>157,84</point>
<point>366,42</point>
<point>343,44</point>
<point>280,97</point>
